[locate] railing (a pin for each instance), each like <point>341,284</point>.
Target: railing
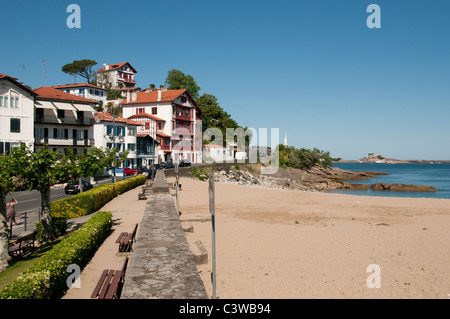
<point>64,142</point>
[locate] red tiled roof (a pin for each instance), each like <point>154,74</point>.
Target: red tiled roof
<point>5,75</point>
<point>63,86</point>
<point>105,116</point>
<point>116,66</point>
<point>47,92</point>
<point>152,96</point>
<point>139,115</point>
<point>162,135</point>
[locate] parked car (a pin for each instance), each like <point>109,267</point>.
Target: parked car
<point>185,163</point>
<point>127,171</point>
<point>166,165</point>
<point>74,187</point>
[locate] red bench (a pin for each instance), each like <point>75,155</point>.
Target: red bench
<point>110,284</point>
<point>125,240</point>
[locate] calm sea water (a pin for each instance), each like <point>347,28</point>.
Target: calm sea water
<point>436,175</point>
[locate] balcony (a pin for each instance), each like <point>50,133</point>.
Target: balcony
<point>69,121</point>
<point>63,142</point>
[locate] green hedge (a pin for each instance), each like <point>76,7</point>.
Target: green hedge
<point>92,200</point>
<point>47,277</point>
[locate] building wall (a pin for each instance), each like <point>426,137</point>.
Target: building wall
<point>23,110</point>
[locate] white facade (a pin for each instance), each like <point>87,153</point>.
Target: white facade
<point>85,90</point>
<point>116,76</point>
<point>119,134</point>
<point>217,153</point>
<point>16,114</point>
<point>181,121</point>
<point>62,121</point>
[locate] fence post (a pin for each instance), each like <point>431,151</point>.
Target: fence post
<point>212,210</point>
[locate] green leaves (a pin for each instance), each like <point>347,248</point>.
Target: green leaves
<point>177,80</point>
<point>83,68</point>
<point>303,158</point>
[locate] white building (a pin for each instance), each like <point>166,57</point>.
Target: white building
<point>85,90</point>
<point>63,120</point>
<point>180,126</point>
<point>217,153</point>
<point>116,76</point>
<point>16,113</point>
<point>116,132</point>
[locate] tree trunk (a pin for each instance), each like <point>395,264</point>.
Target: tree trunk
<point>4,238</point>
<point>46,219</point>
<point>80,181</point>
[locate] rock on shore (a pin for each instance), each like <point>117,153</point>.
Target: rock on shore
<point>317,178</point>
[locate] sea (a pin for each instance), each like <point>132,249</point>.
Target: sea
<point>431,174</point>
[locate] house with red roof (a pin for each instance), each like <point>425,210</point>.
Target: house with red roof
<point>62,120</point>
<point>175,121</point>
<point>16,113</point>
<point>111,131</point>
<point>117,76</point>
<point>89,91</point>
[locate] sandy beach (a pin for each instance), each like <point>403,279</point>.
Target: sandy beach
<point>274,243</point>
<point>287,244</point>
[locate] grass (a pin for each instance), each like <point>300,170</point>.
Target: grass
<point>21,264</point>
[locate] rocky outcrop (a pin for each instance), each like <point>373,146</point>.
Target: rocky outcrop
<point>317,178</point>
<point>402,187</point>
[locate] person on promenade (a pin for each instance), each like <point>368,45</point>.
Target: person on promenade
<point>11,211</point>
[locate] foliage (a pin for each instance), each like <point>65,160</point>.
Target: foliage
<point>290,156</point>
<point>92,200</point>
<point>202,173</point>
<point>114,95</point>
<point>177,80</point>
<point>59,225</point>
<point>47,277</point>
<point>83,68</point>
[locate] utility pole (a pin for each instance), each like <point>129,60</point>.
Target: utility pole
<point>44,63</point>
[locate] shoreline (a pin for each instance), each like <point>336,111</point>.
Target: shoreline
<point>284,243</point>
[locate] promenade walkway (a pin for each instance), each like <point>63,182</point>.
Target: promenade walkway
<point>161,264</point>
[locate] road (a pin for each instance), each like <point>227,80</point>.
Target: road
<point>29,204</point>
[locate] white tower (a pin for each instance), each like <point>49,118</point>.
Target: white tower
<point>285,139</point>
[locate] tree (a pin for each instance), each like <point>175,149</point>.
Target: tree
<point>114,159</point>
<point>40,172</point>
<point>9,181</point>
<point>83,68</point>
<point>177,80</point>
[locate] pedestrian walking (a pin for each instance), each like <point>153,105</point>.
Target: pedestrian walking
<point>11,211</point>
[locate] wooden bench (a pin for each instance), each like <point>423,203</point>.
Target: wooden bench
<point>110,284</point>
<point>142,195</point>
<point>125,240</point>
<point>23,244</point>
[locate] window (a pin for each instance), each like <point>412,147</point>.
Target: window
<point>39,132</point>
<point>131,132</point>
<point>39,115</point>
<point>186,112</point>
<point>1,101</point>
<point>60,114</point>
<point>5,100</point>
<point>147,125</point>
<point>96,92</point>
<point>91,91</point>
<point>132,147</point>
<point>154,110</point>
<point>15,125</point>
<point>183,99</point>
<point>60,133</point>
<point>139,110</point>
<point>160,126</point>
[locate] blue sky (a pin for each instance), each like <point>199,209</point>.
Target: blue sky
<point>311,68</point>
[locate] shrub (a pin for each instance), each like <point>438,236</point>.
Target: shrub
<point>47,277</point>
<point>59,225</point>
<point>92,200</point>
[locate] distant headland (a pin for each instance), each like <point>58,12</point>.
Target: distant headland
<point>372,158</point>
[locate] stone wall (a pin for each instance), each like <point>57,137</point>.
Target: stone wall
<point>162,265</point>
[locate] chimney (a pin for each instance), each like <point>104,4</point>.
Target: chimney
<point>159,94</point>
<point>134,96</point>
<point>128,96</point>
<point>106,66</point>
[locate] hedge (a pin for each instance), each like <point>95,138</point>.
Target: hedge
<point>92,200</point>
<point>47,277</point>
